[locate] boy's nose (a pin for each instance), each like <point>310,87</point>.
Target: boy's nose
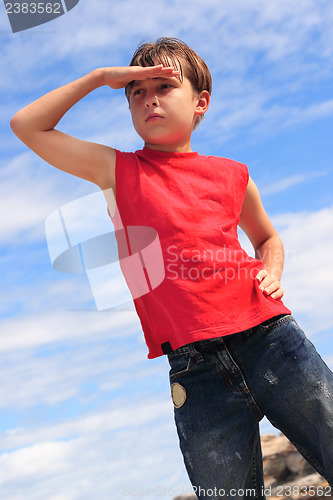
<point>151,101</point>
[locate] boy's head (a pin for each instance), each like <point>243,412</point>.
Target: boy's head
<point>174,52</point>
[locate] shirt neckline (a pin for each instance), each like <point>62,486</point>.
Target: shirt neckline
<point>153,153</point>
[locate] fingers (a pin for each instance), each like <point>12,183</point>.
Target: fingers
<point>274,290</point>
<point>141,73</point>
<point>269,285</point>
<point>120,76</point>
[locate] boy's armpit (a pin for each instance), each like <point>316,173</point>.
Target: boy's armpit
<point>110,196</point>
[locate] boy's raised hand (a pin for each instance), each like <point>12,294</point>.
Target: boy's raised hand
<point>119,77</point>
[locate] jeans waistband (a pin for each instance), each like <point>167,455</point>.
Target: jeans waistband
<point>210,344</point>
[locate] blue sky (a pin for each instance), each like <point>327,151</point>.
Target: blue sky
<point>84,414</point>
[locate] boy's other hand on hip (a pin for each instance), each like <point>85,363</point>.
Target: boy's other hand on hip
<point>269,284</point>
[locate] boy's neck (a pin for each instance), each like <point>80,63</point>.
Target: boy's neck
<point>170,148</point>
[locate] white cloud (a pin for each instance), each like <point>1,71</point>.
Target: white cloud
<point>30,190</point>
<point>31,461</point>
<point>308,278</point>
<point>61,371</point>
<point>255,113</point>
<point>132,445</point>
<point>41,328</point>
<point>289,116</point>
<point>288,182</point>
<point>122,413</point>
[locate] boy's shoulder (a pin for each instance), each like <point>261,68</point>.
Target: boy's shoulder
<point>228,164</point>
<point>223,159</point>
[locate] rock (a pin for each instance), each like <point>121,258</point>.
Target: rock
<point>273,445</point>
<point>298,465</point>
<point>288,475</point>
<point>277,468</point>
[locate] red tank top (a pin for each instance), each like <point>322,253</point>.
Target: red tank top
<point>198,281</point>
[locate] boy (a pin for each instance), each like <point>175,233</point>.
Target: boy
<point>236,353</point>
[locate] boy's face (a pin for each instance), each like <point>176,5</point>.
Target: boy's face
<point>164,111</point>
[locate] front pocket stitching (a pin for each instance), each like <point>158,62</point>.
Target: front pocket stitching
<point>276,323</point>
<point>181,372</point>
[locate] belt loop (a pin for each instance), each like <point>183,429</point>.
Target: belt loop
<point>166,347</point>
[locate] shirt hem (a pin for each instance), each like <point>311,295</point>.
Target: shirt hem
<point>223,331</point>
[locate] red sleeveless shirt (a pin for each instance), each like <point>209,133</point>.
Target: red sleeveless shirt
<point>198,281</point>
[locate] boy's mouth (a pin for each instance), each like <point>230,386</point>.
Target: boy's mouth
<point>153,116</point>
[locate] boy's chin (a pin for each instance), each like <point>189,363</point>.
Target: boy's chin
<point>156,141</point>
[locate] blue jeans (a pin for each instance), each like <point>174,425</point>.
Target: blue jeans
<point>223,387</point>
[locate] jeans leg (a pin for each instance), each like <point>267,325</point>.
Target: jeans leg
<point>293,387</point>
<point>217,424</point>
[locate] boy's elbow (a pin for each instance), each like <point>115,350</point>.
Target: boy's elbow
<point>13,123</point>
<point>17,125</point>
<point>22,127</point>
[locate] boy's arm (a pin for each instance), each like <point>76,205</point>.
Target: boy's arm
<point>268,247</point>
<point>34,124</point>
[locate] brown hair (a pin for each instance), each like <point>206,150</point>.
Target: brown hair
<point>175,52</point>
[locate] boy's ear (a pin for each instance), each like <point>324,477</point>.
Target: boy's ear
<point>203,103</point>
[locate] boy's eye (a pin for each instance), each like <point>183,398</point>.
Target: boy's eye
<point>138,91</point>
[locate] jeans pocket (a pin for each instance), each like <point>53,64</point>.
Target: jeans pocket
<point>179,365</point>
<point>267,325</point>
<point>287,336</point>
<point>275,322</point>
<point>293,341</point>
